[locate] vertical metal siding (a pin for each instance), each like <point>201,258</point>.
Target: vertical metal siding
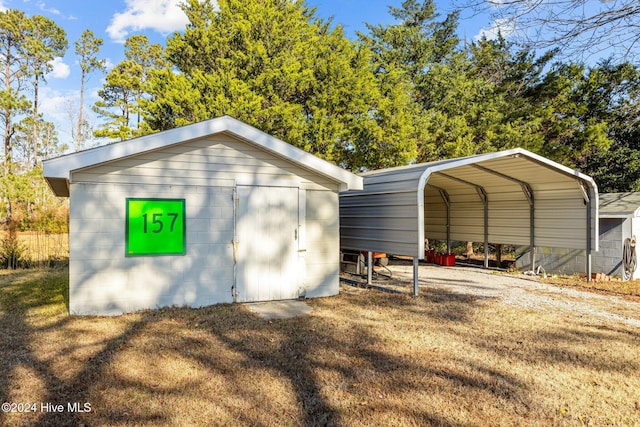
<point>380,217</point>
<point>386,222</point>
<point>435,215</point>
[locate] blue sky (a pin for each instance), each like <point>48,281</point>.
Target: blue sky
<point>115,20</point>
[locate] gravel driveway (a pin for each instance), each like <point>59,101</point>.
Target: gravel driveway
<point>520,290</point>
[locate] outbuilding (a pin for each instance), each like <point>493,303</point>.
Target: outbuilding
<point>619,225</point>
<point>507,197</point>
<point>213,212</point>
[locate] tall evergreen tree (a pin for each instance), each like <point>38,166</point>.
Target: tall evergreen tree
<point>126,84</point>
<point>612,95</point>
<point>148,57</point>
<point>44,42</point>
<point>277,66</point>
<point>415,42</point>
<point>14,26</point>
<point>406,51</point>
<point>87,49</point>
<point>48,142</point>
<point>121,89</point>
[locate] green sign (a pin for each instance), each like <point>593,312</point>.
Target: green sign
<point>155,227</point>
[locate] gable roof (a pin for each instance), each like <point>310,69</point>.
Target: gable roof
<point>512,196</point>
<point>619,205</point>
<point>57,171</point>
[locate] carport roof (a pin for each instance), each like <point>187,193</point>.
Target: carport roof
<point>547,198</point>
<point>57,171</point>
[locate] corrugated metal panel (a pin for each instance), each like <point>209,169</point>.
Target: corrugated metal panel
<point>366,212</point>
<point>373,221</point>
<point>361,199</point>
<point>560,208</point>
<point>399,185</point>
<point>512,223</point>
<point>435,216</point>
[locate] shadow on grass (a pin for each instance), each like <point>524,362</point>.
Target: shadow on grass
<point>436,303</point>
<point>311,354</point>
<point>43,295</point>
<point>586,347</point>
<point>351,362</point>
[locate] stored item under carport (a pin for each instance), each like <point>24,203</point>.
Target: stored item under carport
<point>446,260</point>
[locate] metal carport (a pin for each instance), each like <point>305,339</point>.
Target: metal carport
<point>509,197</point>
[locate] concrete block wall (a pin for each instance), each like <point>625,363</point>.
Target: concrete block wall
<point>608,259</point>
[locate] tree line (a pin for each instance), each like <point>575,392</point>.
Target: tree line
<point>409,91</point>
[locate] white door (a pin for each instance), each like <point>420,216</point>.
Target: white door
<point>267,243</point>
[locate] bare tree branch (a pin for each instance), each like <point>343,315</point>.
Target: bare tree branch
<point>577,28</point>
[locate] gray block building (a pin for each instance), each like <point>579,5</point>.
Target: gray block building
<point>619,225</point>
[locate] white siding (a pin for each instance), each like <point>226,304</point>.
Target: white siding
<point>203,172</point>
<point>322,242</point>
<point>103,281</point>
<point>218,160</point>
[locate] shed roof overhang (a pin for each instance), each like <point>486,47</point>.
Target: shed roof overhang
<point>510,197</point>
<point>57,171</point>
<point>619,205</point>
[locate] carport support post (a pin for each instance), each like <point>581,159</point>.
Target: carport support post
<point>588,203</point>
<point>532,225</point>
<point>485,202</point>
<point>588,249</point>
<point>533,258</point>
<point>447,201</point>
<point>415,276</point>
<point>369,267</point>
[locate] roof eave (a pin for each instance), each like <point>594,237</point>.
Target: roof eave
<point>60,168</point>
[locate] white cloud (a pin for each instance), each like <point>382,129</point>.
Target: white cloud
<point>45,8</point>
<point>108,63</point>
<point>163,16</point>
<point>503,26</point>
<point>60,69</point>
<point>53,105</point>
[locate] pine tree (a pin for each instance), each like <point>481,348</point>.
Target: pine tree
<point>44,42</point>
<point>14,26</point>
<point>275,65</point>
<point>121,90</point>
<point>87,49</point>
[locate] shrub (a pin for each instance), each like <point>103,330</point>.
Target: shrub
<point>12,252</point>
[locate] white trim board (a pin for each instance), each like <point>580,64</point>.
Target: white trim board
<point>57,171</point>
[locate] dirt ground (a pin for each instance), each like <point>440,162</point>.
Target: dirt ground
<point>514,289</point>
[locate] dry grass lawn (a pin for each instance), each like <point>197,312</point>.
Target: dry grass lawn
<point>360,359</point>
<point>629,289</point>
